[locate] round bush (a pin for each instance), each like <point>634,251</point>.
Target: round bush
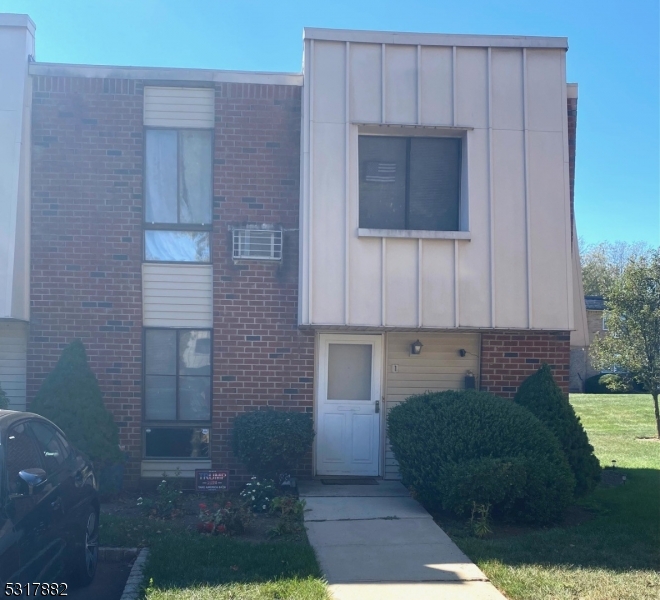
<point>271,443</point>
<point>544,399</point>
<point>459,447</point>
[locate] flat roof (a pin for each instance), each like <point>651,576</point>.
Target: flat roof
<point>164,74</point>
<point>434,39</point>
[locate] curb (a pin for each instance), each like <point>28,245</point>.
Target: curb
<point>108,554</point>
<point>133,586</point>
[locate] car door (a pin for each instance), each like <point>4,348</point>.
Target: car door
<point>62,495</point>
<point>9,564</point>
<point>27,509</point>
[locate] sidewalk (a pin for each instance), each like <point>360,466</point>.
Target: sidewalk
<point>375,542</point>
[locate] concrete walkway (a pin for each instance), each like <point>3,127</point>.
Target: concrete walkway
<point>374,542</point>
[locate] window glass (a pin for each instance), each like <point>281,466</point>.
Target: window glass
<point>177,246</point>
<point>160,397</point>
<point>409,183</point>
<point>160,351</point>
<point>195,398</point>
<point>176,442</point>
<point>21,453</point>
<point>66,448</point>
<point>349,372</point>
<point>434,184</point>
<point>49,446</point>
<point>195,177</point>
<point>161,176</point>
<point>195,352</point>
<point>382,182</point>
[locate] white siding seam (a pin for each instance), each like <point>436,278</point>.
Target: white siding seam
<point>310,202</point>
<point>457,317</point>
<point>528,247</point>
<point>490,188</point>
<point>347,168</point>
<point>453,86</point>
<point>383,282</point>
<point>419,85</point>
<point>382,84</point>
<point>567,200</point>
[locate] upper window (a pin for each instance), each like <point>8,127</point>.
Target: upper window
<point>178,195</point>
<point>410,182</point>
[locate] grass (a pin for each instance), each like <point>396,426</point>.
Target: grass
<point>612,555</point>
<point>185,565</point>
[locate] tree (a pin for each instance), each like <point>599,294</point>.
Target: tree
<point>71,398</point>
<point>632,345</point>
<point>544,399</point>
<point>603,264</point>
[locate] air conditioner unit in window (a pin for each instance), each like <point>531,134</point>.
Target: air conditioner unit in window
<point>257,244</point>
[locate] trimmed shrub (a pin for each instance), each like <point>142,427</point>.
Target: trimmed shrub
<point>593,385</point>
<point>71,398</point>
<point>459,447</point>
<point>543,397</point>
<point>4,400</point>
<point>271,443</point>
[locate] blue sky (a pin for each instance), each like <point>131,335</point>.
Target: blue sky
<point>613,55</point>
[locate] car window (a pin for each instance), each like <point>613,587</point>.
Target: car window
<point>49,445</point>
<point>66,448</point>
<point>21,453</point>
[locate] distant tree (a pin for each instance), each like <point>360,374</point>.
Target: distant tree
<point>603,263</point>
<point>633,322</point>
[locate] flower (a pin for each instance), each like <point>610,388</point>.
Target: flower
<point>263,507</point>
<point>202,506</point>
<point>220,528</point>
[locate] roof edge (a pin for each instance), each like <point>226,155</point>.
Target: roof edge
<point>17,20</point>
<point>434,39</point>
<point>164,74</point>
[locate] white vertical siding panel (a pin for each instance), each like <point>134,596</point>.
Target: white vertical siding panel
<point>13,362</point>
<point>548,234</point>
<point>329,90</point>
<point>509,224</point>
<point>401,84</point>
<point>472,87</point>
<point>177,295</point>
<point>507,89</point>
<point>179,107</point>
<point>436,76</point>
<point>365,83</point>
<point>438,288</point>
<point>328,223</point>
<point>401,283</point>
<point>545,89</point>
<point>474,256</point>
<point>439,367</point>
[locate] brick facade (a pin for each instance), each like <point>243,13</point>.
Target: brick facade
<point>507,358</point>
<point>87,248</point>
<point>261,358</point>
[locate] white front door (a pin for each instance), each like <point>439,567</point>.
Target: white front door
<point>348,405</point>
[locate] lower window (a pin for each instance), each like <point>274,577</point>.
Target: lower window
<point>177,392</point>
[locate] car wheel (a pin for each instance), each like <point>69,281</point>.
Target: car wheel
<point>86,557</point>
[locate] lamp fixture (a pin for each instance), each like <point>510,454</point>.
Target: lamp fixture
<point>462,352</point>
<point>416,347</point>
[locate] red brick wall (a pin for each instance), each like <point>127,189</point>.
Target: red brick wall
<point>87,249</point>
<point>86,238</point>
<point>507,358</point>
<point>261,358</point>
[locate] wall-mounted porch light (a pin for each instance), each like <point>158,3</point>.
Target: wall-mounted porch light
<point>416,347</point>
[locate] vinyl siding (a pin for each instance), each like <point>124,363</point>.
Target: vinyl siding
<point>13,361</point>
<point>439,367</point>
<point>177,295</point>
<point>181,107</point>
<point>156,468</point>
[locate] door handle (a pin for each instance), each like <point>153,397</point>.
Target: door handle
<point>56,504</point>
<point>377,406</point>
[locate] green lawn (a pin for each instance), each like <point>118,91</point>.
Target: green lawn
<point>185,565</point>
<point>614,554</point>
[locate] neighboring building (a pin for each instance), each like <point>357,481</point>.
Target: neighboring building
<point>581,366</point>
<point>227,241</point>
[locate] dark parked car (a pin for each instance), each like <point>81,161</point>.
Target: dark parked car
<point>49,507</point>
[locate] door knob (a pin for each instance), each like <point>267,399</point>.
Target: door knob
<point>377,406</point>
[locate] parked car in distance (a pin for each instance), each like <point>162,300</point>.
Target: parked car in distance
<point>49,506</point>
